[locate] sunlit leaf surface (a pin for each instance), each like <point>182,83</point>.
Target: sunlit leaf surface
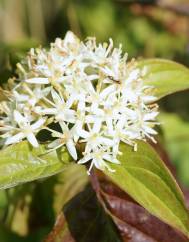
<point>145,178</point>
<point>21,163</point>
<point>134,222</point>
<point>165,76</point>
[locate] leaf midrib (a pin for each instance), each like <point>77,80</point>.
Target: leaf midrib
<point>163,204</point>
<point>159,166</point>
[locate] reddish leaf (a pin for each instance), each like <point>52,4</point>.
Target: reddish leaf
<point>60,232</point>
<point>87,220</point>
<point>84,220</point>
<point>133,221</point>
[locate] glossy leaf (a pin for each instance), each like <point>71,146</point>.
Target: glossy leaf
<point>21,163</point>
<point>165,76</point>
<point>134,222</point>
<point>145,178</point>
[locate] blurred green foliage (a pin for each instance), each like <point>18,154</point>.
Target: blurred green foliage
<point>176,133</point>
<point>143,30</point>
<point>27,212</point>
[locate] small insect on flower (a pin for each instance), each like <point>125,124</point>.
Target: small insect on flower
<point>114,80</point>
<point>88,93</point>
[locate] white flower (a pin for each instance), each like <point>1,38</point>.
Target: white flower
<point>94,138</point>
<point>61,109</point>
<point>86,95</point>
<point>99,159</point>
<point>25,130</point>
<point>64,138</point>
<point>31,96</point>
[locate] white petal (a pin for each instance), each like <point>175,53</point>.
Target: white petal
<point>32,139</point>
<point>99,163</point>
<point>107,71</point>
<point>37,80</point>
<point>64,78</point>
<point>92,77</point>
<point>55,144</point>
<point>68,116</point>
<point>85,159</point>
<point>57,99</point>
<point>38,124</point>
<point>70,38</point>
<point>90,118</point>
<point>111,159</point>
<point>71,100</point>
<point>150,116</point>
<point>98,111</point>
<point>19,118</point>
<point>94,106</point>
<point>71,148</point>
<point>97,125</point>
<point>20,97</point>
<point>149,130</point>
<point>107,91</point>
<point>90,88</point>
<point>55,133</point>
<point>45,91</point>
<point>14,139</point>
<point>81,106</point>
<point>132,134</point>
<point>133,75</point>
<point>64,127</point>
<point>131,113</point>
<point>109,125</point>
<point>106,141</point>
<point>116,148</point>
<point>83,133</point>
<point>49,111</point>
<point>121,123</point>
<point>149,99</point>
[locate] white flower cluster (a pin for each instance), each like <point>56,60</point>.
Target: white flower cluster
<point>82,92</point>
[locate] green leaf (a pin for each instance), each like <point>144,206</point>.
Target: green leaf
<point>145,178</point>
<point>165,76</point>
<point>21,163</point>
<point>176,135</point>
